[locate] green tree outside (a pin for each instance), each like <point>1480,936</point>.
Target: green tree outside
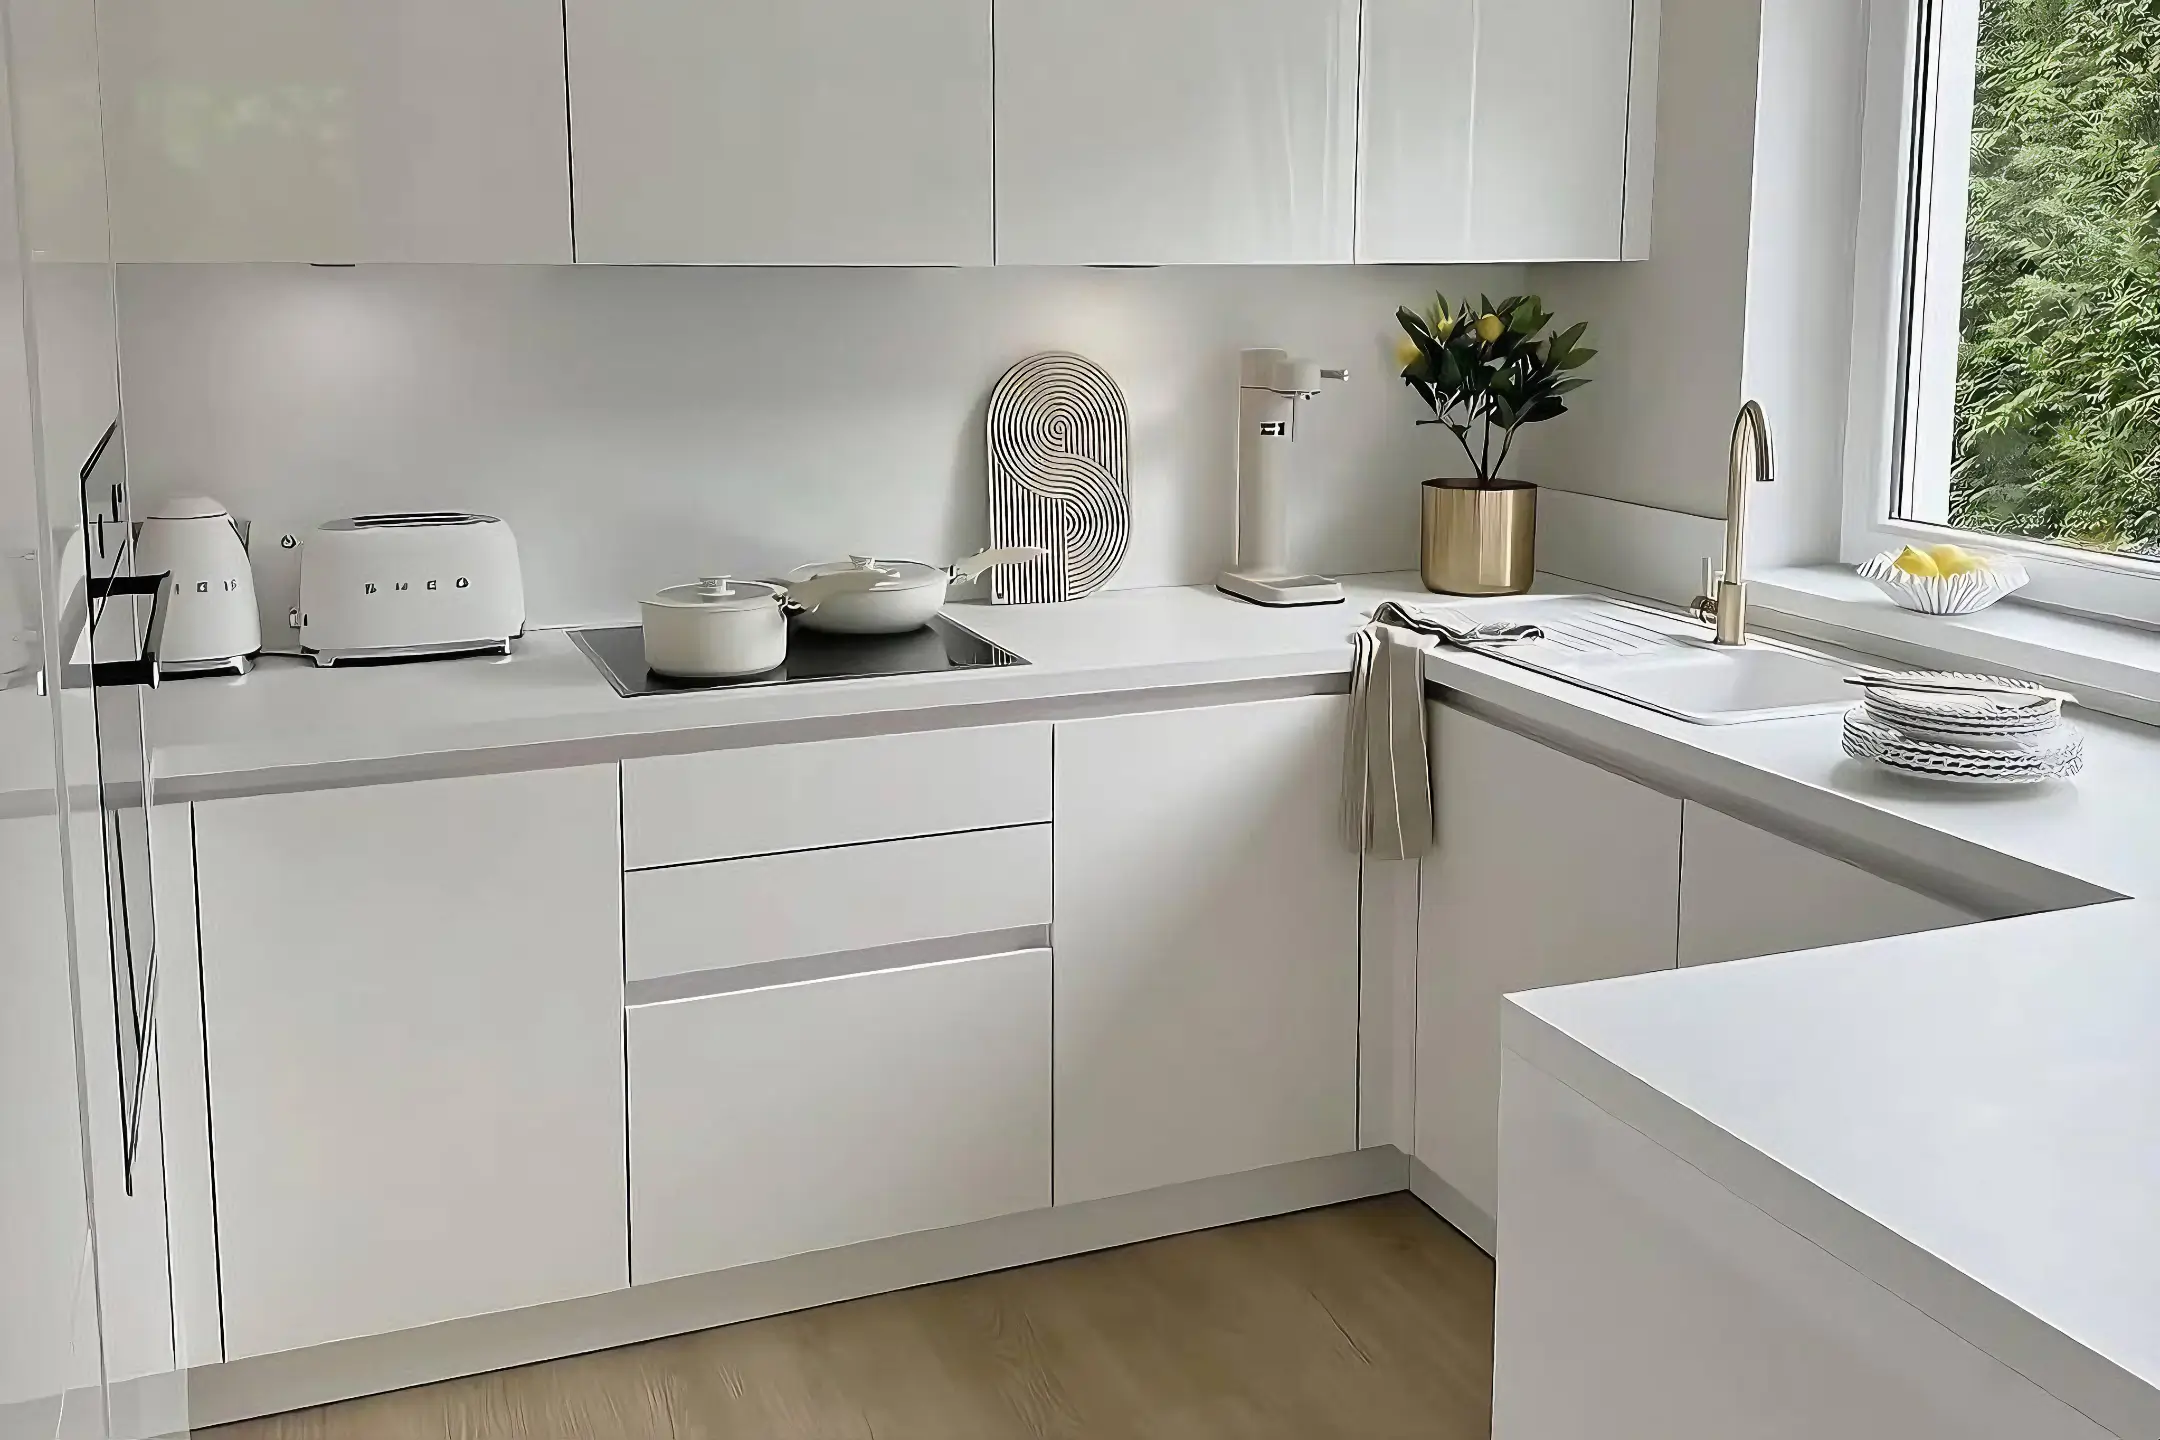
<point>2058,395</point>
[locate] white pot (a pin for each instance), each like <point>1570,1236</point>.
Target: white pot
<point>911,595</point>
<point>724,629</point>
<point>717,629</point>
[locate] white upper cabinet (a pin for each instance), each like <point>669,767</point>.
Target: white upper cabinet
<point>1197,132</point>
<point>795,132</point>
<point>337,130</point>
<point>1506,130</point>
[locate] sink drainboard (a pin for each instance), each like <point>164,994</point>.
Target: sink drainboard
<point>1666,663</point>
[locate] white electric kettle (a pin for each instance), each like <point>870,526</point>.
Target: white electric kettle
<point>211,627</point>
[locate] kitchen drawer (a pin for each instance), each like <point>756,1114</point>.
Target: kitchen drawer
<point>693,918</point>
<point>681,809</point>
<point>777,1121</point>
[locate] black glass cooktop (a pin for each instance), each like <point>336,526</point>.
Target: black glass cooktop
<point>619,651</point>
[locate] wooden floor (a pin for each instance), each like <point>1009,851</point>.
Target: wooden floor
<point>1371,1320</point>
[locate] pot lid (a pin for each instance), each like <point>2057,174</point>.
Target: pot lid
<point>905,574</point>
<point>719,592</point>
<point>188,507</point>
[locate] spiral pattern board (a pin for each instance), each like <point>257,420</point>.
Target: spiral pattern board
<point>1059,438</point>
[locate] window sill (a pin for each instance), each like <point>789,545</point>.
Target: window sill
<point>2114,669</point>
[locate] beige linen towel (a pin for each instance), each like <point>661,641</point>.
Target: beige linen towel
<point>1387,801</point>
<point>1387,809</point>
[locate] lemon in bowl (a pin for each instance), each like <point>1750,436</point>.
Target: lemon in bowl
<point>1921,564</point>
<point>1944,579</point>
<point>1955,560</point>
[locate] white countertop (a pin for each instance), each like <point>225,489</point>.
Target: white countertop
<point>292,726</point>
<point>1971,1118</point>
<point>218,736</point>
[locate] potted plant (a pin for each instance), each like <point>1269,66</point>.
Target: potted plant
<point>1485,371</point>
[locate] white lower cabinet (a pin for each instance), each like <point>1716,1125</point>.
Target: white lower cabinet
<point>1207,945</point>
<point>1745,892</point>
<point>831,902</point>
<point>798,1117</point>
<point>1550,871</point>
<point>412,998</point>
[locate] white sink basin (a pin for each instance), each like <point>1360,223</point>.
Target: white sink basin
<point>1667,663</point>
<point>1709,685</point>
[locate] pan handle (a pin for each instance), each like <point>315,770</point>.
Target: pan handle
<point>976,566</point>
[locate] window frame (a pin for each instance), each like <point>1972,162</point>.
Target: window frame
<point>1906,208</point>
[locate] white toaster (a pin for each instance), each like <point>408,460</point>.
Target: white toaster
<point>377,587</point>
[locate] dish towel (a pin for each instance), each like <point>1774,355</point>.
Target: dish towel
<point>1387,803</point>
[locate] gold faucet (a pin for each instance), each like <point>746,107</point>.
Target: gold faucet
<point>1752,459</point>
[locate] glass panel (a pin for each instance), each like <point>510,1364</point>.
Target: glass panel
<point>90,1130</point>
<point>2035,377</point>
<point>119,633</point>
<point>50,1352</point>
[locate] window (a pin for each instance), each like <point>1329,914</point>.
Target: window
<point>2018,387</point>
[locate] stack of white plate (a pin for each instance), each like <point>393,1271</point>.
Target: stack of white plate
<point>1977,739</point>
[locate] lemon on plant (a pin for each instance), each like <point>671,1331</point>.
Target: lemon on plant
<point>1490,328</point>
<point>1917,563</point>
<point>1406,353</point>
<point>1952,560</point>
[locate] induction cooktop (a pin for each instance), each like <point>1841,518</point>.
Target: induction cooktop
<point>619,653</point>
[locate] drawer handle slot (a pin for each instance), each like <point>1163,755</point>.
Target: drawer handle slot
<point>803,970</point>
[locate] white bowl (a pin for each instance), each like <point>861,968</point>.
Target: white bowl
<point>2001,575</point>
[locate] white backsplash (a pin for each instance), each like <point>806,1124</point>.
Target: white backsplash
<point>639,427</point>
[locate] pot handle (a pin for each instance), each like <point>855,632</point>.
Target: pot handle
<point>811,593</point>
<point>974,567</point>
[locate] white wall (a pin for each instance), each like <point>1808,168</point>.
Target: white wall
<point>639,427</point>
<point>1806,191</point>
<point>1652,429</point>
<point>1749,288</point>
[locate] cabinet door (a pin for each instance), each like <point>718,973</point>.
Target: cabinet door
<point>47,1226</point>
<point>1201,132</point>
<point>1207,945</point>
<point>412,998</point>
<point>1496,130</point>
<point>1549,872</point>
<point>791,1118</point>
<point>1745,892</point>
<point>337,130</point>
<point>782,132</point>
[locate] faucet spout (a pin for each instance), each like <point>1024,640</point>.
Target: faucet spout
<point>1751,461</point>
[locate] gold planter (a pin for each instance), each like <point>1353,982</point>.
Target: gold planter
<point>1479,541</point>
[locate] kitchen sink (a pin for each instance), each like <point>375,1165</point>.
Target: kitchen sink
<point>1667,663</point>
